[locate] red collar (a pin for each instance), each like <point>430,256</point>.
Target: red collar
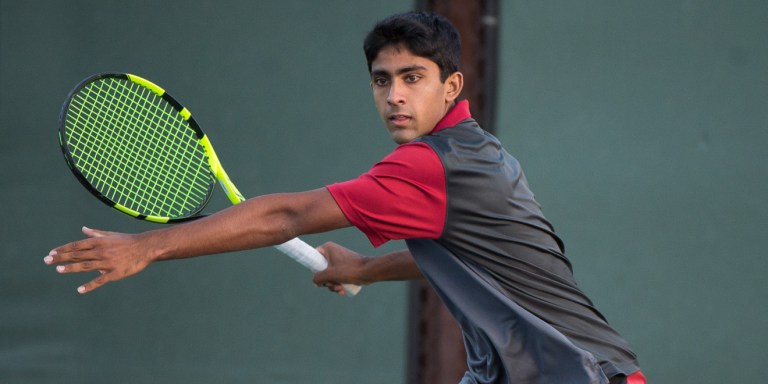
<point>457,114</point>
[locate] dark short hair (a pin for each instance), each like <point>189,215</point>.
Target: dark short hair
<point>424,34</point>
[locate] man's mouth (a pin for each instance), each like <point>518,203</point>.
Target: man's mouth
<point>399,118</point>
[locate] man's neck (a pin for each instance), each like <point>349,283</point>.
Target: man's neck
<point>458,113</point>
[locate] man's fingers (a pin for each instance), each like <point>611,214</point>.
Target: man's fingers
<point>74,251</point>
<point>95,283</point>
<point>335,287</point>
<point>85,266</point>
<point>323,249</point>
<point>113,255</point>
<point>59,257</point>
<point>321,278</point>
<point>48,259</point>
<point>104,275</point>
<point>95,232</point>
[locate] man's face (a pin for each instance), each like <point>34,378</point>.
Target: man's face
<point>408,92</point>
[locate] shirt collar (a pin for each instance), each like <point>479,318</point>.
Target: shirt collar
<point>457,114</point>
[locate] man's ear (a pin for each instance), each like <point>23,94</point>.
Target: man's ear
<point>453,85</point>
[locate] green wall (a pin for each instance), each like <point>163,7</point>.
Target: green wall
<point>282,89</point>
<point>642,127</point>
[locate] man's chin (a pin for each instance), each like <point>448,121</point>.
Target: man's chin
<point>401,138</point>
<point>402,135</point>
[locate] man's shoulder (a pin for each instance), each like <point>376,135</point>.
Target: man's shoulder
<point>467,132</point>
<point>413,158</point>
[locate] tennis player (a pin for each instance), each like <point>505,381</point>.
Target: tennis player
<point>461,202</point>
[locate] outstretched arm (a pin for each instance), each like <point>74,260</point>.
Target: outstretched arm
<point>348,267</point>
<point>258,222</point>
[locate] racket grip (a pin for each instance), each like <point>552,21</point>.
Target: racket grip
<point>311,258</point>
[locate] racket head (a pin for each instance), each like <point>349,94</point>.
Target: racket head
<point>135,148</point>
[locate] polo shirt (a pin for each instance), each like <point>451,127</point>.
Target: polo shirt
<point>474,228</point>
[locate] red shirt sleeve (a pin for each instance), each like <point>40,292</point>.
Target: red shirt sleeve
<point>401,197</point>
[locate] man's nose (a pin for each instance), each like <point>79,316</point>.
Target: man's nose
<point>396,95</point>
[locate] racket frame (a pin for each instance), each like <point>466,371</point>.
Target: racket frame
<point>295,248</point>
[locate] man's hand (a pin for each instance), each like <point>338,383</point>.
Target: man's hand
<point>114,255</point>
<point>348,267</point>
<point>344,267</point>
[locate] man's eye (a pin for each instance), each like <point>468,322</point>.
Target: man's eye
<point>412,78</point>
<point>380,81</point>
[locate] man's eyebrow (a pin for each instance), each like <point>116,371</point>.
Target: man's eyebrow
<point>399,71</point>
<point>412,68</point>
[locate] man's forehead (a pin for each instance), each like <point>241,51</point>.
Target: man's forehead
<point>396,58</point>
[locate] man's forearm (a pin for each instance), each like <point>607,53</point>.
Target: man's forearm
<point>391,267</point>
<point>249,225</point>
<point>258,222</point>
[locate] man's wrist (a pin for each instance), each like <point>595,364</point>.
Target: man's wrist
<point>158,246</point>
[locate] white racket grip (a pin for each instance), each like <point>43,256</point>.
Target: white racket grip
<point>309,257</point>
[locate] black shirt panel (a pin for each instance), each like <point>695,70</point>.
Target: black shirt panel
<point>495,227</point>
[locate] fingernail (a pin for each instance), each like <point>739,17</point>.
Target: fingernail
<point>60,268</point>
<point>80,289</point>
<point>48,259</point>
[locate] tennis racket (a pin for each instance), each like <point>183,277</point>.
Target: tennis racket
<point>138,150</point>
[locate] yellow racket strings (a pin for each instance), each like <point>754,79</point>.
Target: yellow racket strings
<point>137,150</point>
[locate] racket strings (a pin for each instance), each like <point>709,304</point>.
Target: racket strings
<point>174,173</point>
<point>137,150</point>
<point>138,154</point>
<point>142,101</point>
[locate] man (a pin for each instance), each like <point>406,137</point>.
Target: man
<point>461,202</point>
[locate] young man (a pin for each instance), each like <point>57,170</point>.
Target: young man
<point>459,200</point>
